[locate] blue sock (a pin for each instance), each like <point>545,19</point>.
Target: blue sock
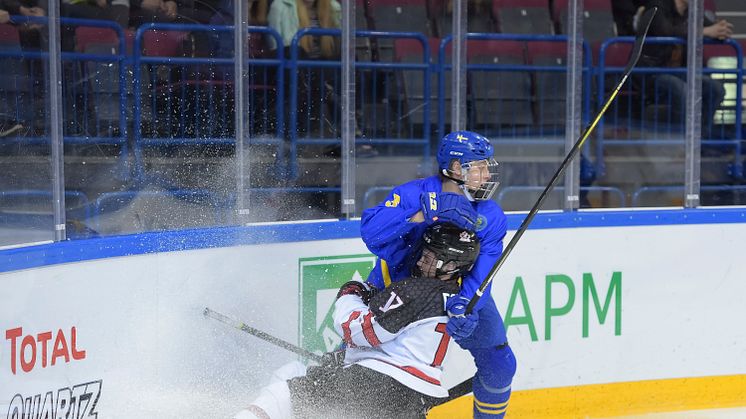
<point>495,370</point>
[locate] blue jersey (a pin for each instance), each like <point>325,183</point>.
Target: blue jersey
<point>389,234</point>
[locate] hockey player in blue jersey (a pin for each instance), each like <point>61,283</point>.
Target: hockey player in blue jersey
<point>460,194</point>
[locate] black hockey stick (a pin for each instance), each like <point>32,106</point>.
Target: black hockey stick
<point>644,25</point>
<point>263,335</point>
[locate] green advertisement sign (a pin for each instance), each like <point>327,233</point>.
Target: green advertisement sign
<point>320,279</point>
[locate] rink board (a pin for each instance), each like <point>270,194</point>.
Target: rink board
<point>645,308</point>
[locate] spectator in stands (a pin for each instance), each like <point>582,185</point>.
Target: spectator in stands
<point>221,42</point>
<point>172,11</point>
<point>624,15</point>
<point>671,20</point>
<point>146,11</point>
<point>31,34</point>
<point>287,16</point>
<point>116,10</point>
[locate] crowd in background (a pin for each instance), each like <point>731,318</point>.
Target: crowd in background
<point>284,16</point>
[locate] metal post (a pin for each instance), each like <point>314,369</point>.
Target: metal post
<point>693,112</point>
<point>348,108</point>
<point>458,71</point>
<point>54,110</point>
<point>240,81</point>
<point>574,94</point>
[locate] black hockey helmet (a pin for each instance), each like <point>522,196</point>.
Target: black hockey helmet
<point>453,249</point>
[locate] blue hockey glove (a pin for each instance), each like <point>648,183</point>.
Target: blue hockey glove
<point>362,289</point>
<point>448,207</point>
<point>460,325</point>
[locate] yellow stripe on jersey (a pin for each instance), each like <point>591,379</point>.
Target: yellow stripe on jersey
<point>385,273</point>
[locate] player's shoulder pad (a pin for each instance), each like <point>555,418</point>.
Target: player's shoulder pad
<point>410,300</point>
<point>417,186</point>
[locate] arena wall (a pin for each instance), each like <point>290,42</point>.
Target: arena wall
<point>607,312</point>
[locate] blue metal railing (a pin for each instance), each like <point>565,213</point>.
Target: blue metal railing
<point>286,128</point>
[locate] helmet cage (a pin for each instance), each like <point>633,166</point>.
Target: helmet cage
<point>482,169</point>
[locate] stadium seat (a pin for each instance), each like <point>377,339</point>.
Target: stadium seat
<point>598,22</point>
<point>479,17</point>
<point>397,16</point>
<point>549,86</point>
<point>629,101</point>
<point>162,43</point>
<point>101,78</point>
<point>522,16</point>
<point>9,37</point>
<point>501,99</point>
<point>412,81</point>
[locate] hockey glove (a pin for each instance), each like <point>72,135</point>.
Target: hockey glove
<point>361,289</point>
<point>448,207</point>
<point>460,325</point>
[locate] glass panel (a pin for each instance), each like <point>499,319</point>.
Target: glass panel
<point>639,145</point>
<point>314,126</point>
<point>722,167</point>
<point>26,211</point>
<point>397,111</point>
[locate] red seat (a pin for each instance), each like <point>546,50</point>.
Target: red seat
<point>561,6</point>
<point>538,52</point>
<point>500,4</point>
<point>9,35</point>
<point>399,15</point>
<point>162,43</point>
<point>523,17</point>
<point>617,54</point>
<point>492,48</point>
<point>86,36</point>
<point>410,50</point>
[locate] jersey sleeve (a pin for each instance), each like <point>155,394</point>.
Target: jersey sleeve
<point>382,227</point>
<point>491,247</point>
<point>357,324</point>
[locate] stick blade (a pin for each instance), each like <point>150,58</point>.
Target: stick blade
<point>642,33</point>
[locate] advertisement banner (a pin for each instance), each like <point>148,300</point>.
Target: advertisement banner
<point>319,281</point>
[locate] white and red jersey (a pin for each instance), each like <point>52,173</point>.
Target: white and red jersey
<point>400,333</point>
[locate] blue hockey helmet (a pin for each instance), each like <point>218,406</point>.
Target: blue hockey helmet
<point>464,146</point>
<point>478,176</point>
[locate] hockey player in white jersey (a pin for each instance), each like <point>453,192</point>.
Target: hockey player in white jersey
<point>395,340</point>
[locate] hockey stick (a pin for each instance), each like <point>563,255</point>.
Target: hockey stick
<point>12,130</point>
<point>644,25</point>
<point>455,392</point>
<point>263,335</point>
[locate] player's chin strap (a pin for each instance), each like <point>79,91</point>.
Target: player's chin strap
<point>460,182</point>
